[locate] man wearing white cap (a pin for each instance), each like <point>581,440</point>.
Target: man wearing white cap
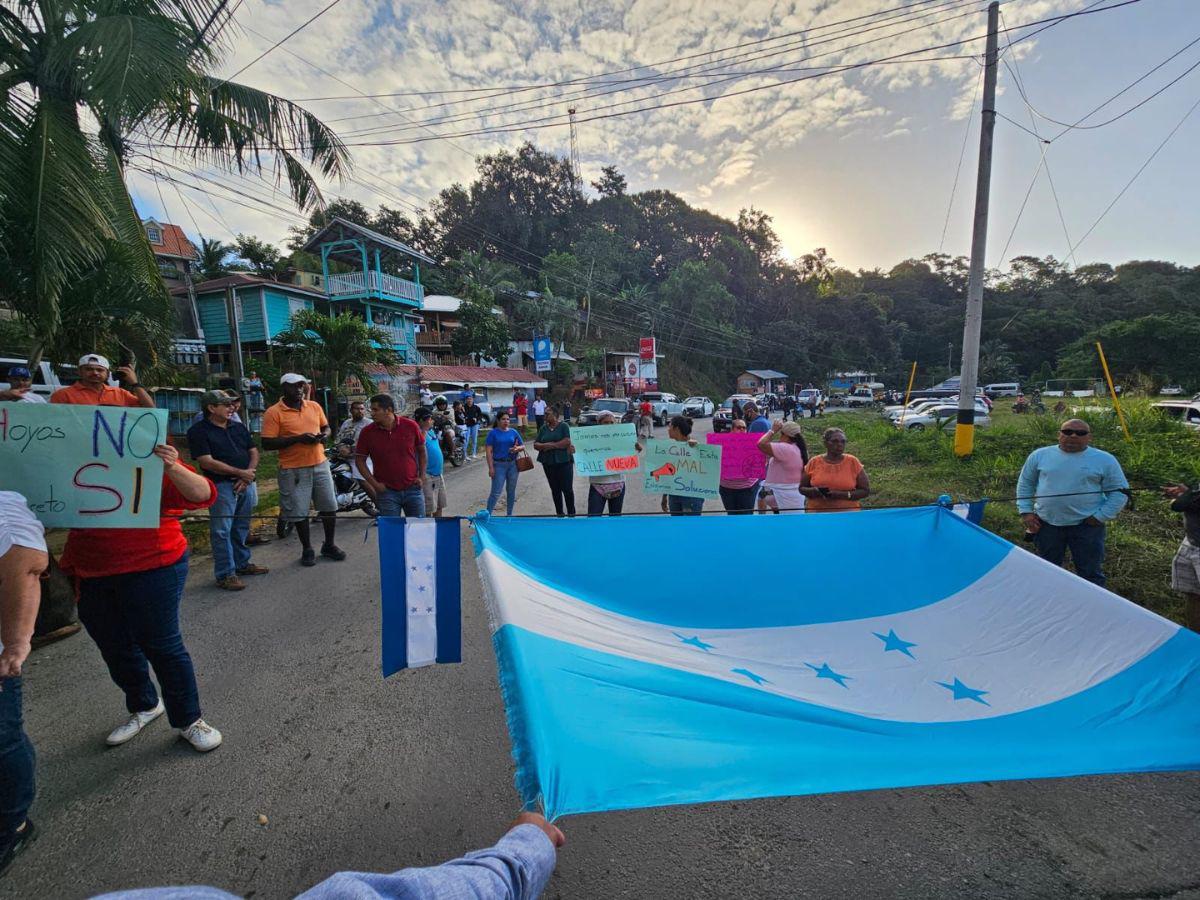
<point>93,389</point>
<point>297,428</point>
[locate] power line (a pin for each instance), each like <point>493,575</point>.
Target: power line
<point>1136,174</point>
<point>506,89</point>
<point>537,124</point>
<point>961,155</point>
<point>287,37</point>
<point>706,71</point>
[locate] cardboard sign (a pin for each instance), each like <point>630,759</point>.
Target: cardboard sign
<point>672,467</point>
<point>84,466</point>
<point>740,457</point>
<point>605,449</point>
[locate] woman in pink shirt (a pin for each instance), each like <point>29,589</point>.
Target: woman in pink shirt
<point>787,458</point>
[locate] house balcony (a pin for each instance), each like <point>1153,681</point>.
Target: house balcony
<point>433,340</point>
<point>374,285</point>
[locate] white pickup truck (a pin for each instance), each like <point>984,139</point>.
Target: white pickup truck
<point>666,406</point>
<point>861,395</point>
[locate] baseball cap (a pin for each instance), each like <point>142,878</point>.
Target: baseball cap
<point>213,398</point>
<point>19,372</point>
<point>293,378</point>
<point>93,359</point>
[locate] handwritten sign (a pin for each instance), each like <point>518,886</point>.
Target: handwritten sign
<point>672,467</point>
<point>605,449</point>
<point>84,466</point>
<point>740,457</point>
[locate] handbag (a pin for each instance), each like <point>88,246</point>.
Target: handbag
<point>524,463</point>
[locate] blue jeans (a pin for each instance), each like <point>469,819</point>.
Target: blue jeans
<point>684,506</point>
<point>409,502</point>
<point>134,620</point>
<point>1086,543</point>
<point>472,441</point>
<point>16,763</point>
<point>504,479</point>
<point>230,526</point>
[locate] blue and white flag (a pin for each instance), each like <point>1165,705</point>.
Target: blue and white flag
<point>657,671</point>
<point>972,512</point>
<point>422,593</point>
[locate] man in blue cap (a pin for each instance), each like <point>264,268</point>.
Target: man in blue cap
<point>20,387</point>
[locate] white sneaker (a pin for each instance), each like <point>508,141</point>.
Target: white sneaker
<point>202,736</point>
<point>133,727</point>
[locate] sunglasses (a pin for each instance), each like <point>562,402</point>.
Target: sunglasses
<point>1074,432</point>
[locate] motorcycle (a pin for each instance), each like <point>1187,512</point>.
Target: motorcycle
<point>454,444</point>
<point>347,490</point>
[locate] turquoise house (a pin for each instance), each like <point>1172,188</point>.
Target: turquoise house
<point>263,309</point>
<point>375,277</point>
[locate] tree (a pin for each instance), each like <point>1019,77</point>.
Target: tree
<point>79,80</point>
<point>996,363</point>
<point>611,183</point>
<point>263,259</point>
<point>336,346</point>
<point>481,333</point>
<point>213,254</point>
<point>1162,346</point>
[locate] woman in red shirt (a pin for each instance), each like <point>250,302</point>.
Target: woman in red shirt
<point>130,584</point>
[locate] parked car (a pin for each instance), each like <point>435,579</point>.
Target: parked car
<point>805,398</point>
<point>944,416</point>
<point>723,416</point>
<point>915,407</point>
<point>1172,390</point>
<point>622,409</point>
<point>666,406</point>
<point>1001,389</point>
<point>698,407</point>
<point>860,396</point>
<point>1186,411</point>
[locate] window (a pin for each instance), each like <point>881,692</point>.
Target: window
<point>237,308</point>
<point>295,305</point>
<point>154,234</point>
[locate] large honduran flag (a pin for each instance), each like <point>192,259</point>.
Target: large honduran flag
<point>422,606</point>
<point>892,648</point>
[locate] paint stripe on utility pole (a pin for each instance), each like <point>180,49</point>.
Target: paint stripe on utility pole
<point>964,429</point>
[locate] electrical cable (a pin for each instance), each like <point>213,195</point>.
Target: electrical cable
<point>961,155</point>
<point>287,37</point>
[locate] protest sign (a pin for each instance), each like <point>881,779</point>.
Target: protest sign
<point>673,467</point>
<point>740,457</point>
<point>84,466</point>
<point>605,449</point>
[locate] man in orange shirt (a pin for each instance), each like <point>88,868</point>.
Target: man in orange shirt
<point>93,389</point>
<point>297,428</point>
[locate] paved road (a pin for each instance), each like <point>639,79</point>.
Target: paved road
<point>354,772</point>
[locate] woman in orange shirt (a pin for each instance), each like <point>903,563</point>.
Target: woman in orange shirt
<point>836,480</point>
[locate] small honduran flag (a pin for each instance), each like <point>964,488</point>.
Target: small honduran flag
<point>972,512</point>
<point>422,592</point>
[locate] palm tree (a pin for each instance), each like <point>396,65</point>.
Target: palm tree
<point>84,84</point>
<point>337,346</point>
<point>213,254</point>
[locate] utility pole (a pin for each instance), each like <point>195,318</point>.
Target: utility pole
<point>235,336</point>
<point>576,173</point>
<point>964,429</point>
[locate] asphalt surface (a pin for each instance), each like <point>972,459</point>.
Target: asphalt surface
<point>355,772</point>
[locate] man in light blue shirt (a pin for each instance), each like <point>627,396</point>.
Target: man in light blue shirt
<point>433,483</point>
<point>517,868</point>
<point>1067,494</point>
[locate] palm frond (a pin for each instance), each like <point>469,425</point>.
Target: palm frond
<point>236,127</point>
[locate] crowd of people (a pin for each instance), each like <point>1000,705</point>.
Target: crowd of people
<point>130,581</point>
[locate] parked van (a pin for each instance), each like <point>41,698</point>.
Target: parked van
<point>1002,389</point>
<point>45,380</point>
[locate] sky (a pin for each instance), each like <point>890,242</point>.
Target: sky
<point>864,162</point>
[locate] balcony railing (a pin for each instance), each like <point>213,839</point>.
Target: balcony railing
<point>374,283</point>
<point>433,339</point>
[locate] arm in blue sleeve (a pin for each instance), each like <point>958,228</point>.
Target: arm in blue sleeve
<point>517,868</point>
<point>1114,501</point>
<point>1027,484</point>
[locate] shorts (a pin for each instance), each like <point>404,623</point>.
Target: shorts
<point>304,487</point>
<point>1185,569</point>
<point>434,487</point>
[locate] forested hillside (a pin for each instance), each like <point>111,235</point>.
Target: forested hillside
<point>608,266</point>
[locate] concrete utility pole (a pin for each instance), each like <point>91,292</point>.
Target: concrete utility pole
<point>235,337</point>
<point>964,430</point>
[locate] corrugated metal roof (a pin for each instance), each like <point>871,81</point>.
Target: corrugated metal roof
<point>766,374</point>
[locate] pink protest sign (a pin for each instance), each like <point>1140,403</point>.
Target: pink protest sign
<point>739,455</point>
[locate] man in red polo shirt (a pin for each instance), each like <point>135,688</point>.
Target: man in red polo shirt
<point>396,448</point>
<point>93,389</point>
